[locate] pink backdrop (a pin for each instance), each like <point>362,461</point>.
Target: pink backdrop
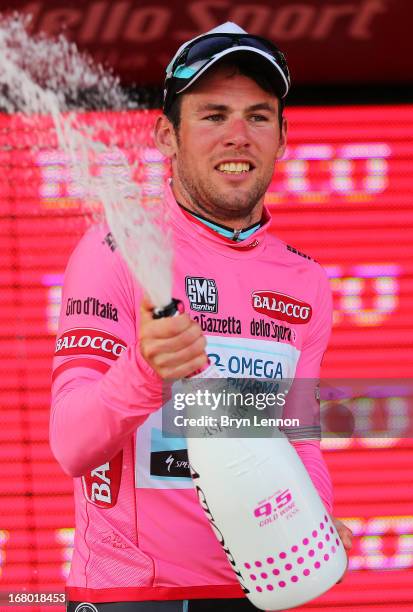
<point>342,194</point>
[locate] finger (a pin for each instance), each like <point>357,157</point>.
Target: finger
<point>187,369</point>
<point>147,311</point>
<point>346,536</point>
<point>155,347</point>
<point>146,308</point>
<point>180,357</point>
<point>168,327</point>
<point>347,541</point>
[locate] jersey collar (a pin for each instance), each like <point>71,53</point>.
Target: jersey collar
<point>191,225</point>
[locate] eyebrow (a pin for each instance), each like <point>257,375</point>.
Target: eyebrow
<point>224,108</point>
<point>262,106</point>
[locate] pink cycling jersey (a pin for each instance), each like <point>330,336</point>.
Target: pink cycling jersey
<point>266,312</point>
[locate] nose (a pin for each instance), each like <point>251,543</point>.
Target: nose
<point>237,133</point>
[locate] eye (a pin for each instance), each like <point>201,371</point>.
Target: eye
<point>259,118</point>
<point>216,117</point>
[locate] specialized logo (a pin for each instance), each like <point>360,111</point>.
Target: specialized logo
<point>81,341</point>
<point>171,463</point>
<point>202,293</point>
<point>229,325</point>
<point>281,307</point>
<point>101,486</point>
<point>86,607</point>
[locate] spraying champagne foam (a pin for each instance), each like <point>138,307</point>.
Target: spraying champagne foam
<point>51,77</point>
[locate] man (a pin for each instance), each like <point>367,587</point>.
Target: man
<point>142,541</point>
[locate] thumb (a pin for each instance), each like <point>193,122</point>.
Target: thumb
<point>146,309</point>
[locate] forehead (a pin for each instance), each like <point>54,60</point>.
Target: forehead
<point>224,85</point>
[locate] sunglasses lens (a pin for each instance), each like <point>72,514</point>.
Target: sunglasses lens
<point>267,48</point>
<point>257,44</point>
<point>205,49</point>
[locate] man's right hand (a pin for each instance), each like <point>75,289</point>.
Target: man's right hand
<point>174,346</point>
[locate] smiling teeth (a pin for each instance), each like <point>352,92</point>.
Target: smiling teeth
<point>233,167</point>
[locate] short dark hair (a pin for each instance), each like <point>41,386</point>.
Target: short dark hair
<point>245,67</point>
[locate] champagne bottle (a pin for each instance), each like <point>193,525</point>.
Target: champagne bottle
<point>265,511</point>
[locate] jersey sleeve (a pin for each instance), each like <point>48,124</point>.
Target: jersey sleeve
<point>303,399</point>
<point>319,332</point>
<point>102,389</point>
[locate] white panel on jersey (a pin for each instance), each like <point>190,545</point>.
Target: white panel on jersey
<point>235,358</point>
<point>253,358</point>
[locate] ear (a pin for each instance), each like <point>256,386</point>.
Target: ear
<point>283,139</point>
<point>165,137</point>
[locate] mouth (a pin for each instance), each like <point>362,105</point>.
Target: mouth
<point>235,168</point>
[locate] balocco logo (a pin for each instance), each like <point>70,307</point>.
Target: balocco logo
<point>89,342</point>
<point>281,307</point>
<point>101,485</point>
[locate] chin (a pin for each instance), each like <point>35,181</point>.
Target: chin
<point>237,207</point>
<point>234,212</point>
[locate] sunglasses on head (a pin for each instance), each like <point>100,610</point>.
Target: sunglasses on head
<point>208,46</point>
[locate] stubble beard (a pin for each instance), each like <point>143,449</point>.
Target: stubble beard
<point>207,200</point>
